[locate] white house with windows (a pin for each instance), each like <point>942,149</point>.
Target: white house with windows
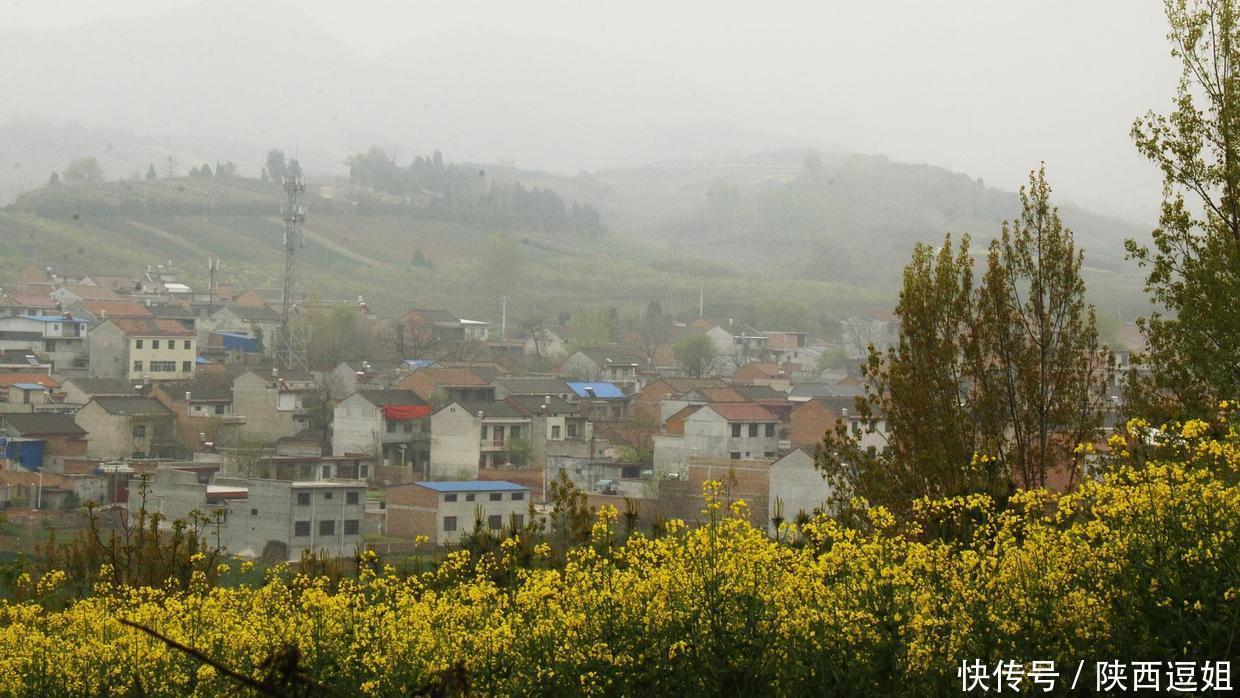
<point>143,349</point>
<point>59,337</point>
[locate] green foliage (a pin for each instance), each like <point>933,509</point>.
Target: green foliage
<point>589,328</point>
<point>696,354</point>
<point>84,171</point>
<point>1194,264</point>
<point>986,384</point>
<point>276,168</point>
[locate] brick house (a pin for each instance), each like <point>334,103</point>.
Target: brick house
<point>445,511</point>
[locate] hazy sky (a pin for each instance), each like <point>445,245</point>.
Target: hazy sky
<point>986,87</point>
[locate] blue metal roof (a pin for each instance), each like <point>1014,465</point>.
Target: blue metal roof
<point>419,363</point>
<point>31,386</point>
<point>53,318</point>
<point>233,334</point>
<point>602,391</point>
<point>473,486</point>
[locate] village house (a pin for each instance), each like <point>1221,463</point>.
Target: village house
<point>732,430</point>
<point>421,328</point>
<point>600,400</point>
<point>607,365</point>
<point>16,303</point>
<point>442,384</point>
<point>546,344</point>
<point>777,376</point>
<point>59,436</point>
<point>26,392</point>
<point>797,487</point>
<point>387,424</point>
<point>76,392</point>
<point>351,376</point>
<point>23,361</point>
<point>95,312</point>
<point>270,519</point>
<point>122,285</point>
<point>128,427</point>
<point>60,337</point>
<point>260,322</point>
<point>446,511</point>
<point>274,403</point>
<point>203,411</point>
<point>143,350</point>
<point>71,294</point>
<point>538,386</point>
<point>469,436</point>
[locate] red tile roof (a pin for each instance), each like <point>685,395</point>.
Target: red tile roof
<point>145,327</point>
<point>742,412</point>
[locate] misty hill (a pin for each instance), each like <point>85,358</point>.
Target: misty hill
<point>847,218</point>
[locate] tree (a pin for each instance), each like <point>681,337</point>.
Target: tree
<point>276,168</point>
<point>150,172</point>
<point>84,171</point>
<point>54,180</point>
<point>696,353</point>
<point>1194,264</point>
<point>205,171</point>
<point>1046,371</point>
<point>921,388</point>
<point>986,385</point>
<point>589,328</point>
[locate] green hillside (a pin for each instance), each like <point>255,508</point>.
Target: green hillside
<point>124,226</point>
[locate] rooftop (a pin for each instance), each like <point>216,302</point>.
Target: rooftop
<point>742,412</point>
<point>147,327</point>
<point>473,486</point>
<point>133,406</point>
<point>28,378</point>
<point>596,390</point>
<point>43,423</point>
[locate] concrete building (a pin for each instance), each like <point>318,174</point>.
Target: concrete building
<point>445,511</point>
<point>468,436</point>
<point>59,337</point>
<point>388,424</point>
<point>606,365</point>
<point>128,427</point>
<point>26,392</point>
<point>143,349</point>
<point>797,487</point>
<point>78,391</point>
<point>255,321</point>
<point>274,404</point>
<point>441,384</point>
<point>737,431</point>
<point>272,519</point>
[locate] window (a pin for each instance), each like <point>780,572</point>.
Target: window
<point>449,498</point>
<point>484,433</point>
<point>350,527</point>
<point>449,523</point>
<point>303,499</point>
<point>137,366</point>
<point>753,430</point>
<point>137,344</point>
<point>253,512</point>
<point>519,518</point>
<point>555,431</point>
<point>769,454</point>
<point>495,522</point>
<point>327,528</point>
<point>735,455</point>
<point>736,430</point>
<point>518,496</point>
<point>572,430</point>
<point>469,497</point>
<point>408,427</point>
<point>219,409</point>
<point>770,430</point>
<point>352,497</point>
<point>329,495</point>
<point>187,344</point>
<point>514,432</point>
<point>139,431</point>
<point>186,367</point>
<point>497,496</point>
<point>163,366</point>
<point>154,343</point>
<point>327,472</point>
<point>391,427</point>
<point>364,471</point>
<point>301,529</point>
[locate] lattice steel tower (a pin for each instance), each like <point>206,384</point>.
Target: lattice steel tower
<point>291,344</point>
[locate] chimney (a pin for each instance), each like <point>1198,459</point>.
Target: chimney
<point>188,396</point>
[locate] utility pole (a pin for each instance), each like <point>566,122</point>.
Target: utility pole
<point>213,265</point>
<point>701,302</point>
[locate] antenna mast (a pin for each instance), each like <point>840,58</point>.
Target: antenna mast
<point>291,345</point>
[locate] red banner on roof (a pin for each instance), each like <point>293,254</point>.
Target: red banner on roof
<point>401,413</point>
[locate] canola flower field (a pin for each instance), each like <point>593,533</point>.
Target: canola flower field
<point>1143,563</point>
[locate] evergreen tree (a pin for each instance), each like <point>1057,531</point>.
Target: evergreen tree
<point>150,172</point>
<point>276,168</point>
<point>204,171</point>
<point>54,180</point>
